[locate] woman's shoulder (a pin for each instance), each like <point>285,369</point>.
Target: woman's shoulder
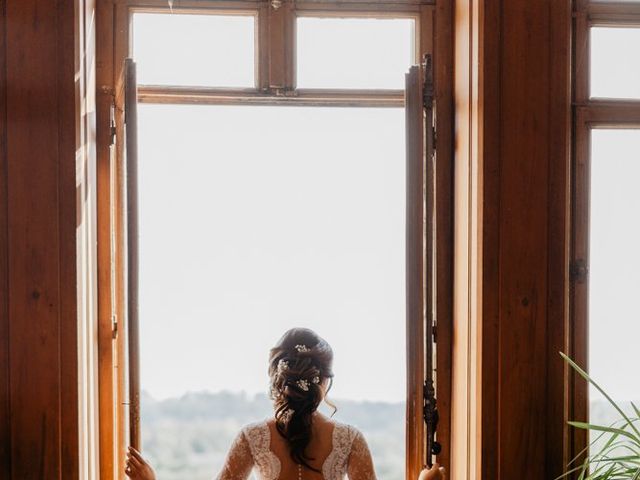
<point>345,432</point>
<point>256,435</point>
<point>255,426</point>
<point>343,425</point>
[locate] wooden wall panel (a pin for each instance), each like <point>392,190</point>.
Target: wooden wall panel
<point>443,78</point>
<point>557,386</point>
<point>534,89</point>
<point>522,257</point>
<point>34,238</point>
<point>461,396</point>
<point>86,232</point>
<point>5,424</point>
<point>44,104</point>
<point>513,137</point>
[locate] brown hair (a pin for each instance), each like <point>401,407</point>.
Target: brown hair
<point>299,365</point>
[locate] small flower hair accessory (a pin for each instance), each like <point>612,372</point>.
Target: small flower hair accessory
<point>282,366</point>
<point>315,380</point>
<point>287,414</point>
<point>275,393</point>
<point>301,348</point>
<point>303,384</point>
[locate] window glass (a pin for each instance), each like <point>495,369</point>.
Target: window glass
<point>354,52</point>
<point>303,225</point>
<point>194,50</point>
<point>614,283</point>
<point>615,62</point>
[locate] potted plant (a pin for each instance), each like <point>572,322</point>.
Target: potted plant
<point>614,453</point>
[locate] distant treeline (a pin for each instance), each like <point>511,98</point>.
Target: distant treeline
<point>186,438</point>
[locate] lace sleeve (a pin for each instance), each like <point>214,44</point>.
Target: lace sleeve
<point>360,465</point>
<point>239,461</point>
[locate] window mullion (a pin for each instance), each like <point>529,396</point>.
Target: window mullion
<point>280,47</point>
<point>262,49</point>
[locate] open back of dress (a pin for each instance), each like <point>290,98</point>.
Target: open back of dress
<point>256,449</point>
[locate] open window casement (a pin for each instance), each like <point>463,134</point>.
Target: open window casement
<point>131,155</point>
<point>277,79</point>
<point>422,415</point>
<point>127,102</point>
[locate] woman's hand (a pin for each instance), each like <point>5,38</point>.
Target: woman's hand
<point>137,467</point>
<point>434,473</point>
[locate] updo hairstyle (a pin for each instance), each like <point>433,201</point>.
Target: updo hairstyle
<point>300,367</point>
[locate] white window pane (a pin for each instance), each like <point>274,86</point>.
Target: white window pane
<point>354,52</point>
<point>615,62</point>
<point>194,50</point>
<point>241,240</point>
<point>614,283</point>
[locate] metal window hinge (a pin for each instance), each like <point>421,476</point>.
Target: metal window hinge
<point>112,135</point>
<point>578,271</point>
<point>428,93</point>
<point>428,99</point>
<point>431,419</point>
<point>114,327</point>
<point>112,124</point>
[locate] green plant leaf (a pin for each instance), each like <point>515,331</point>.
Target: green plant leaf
<point>619,457</point>
<point>586,376</point>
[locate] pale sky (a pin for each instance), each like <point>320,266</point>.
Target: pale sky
<point>614,317</point>
<point>614,323</point>
<point>256,219</point>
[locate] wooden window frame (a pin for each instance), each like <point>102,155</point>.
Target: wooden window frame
<point>275,51</point>
<point>589,114</point>
<point>275,85</point>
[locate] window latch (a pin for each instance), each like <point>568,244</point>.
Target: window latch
<point>431,418</point>
<point>112,124</point>
<point>578,271</point>
<point>428,101</point>
<point>114,327</point>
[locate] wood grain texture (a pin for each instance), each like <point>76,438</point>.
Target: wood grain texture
<point>443,77</point>
<point>559,240</point>
<point>132,215</point>
<point>5,381</point>
<point>43,113</point>
<point>525,239</point>
<point>34,238</point>
<point>105,167</point>
<point>121,50</point>
<point>533,129</point>
<point>522,258</point>
<point>513,139</point>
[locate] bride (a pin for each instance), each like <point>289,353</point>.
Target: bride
<point>298,442</point>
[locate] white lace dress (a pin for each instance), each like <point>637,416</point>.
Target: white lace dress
<point>251,450</point>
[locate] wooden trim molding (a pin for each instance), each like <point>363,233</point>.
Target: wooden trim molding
<point>301,97</point>
<point>589,113</point>
<point>415,280</point>
<point>275,85</point>
<point>47,261</point>
<point>608,114</point>
<point>593,116</point>
<point>513,131</point>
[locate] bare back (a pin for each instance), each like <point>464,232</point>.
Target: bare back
<point>336,450</point>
